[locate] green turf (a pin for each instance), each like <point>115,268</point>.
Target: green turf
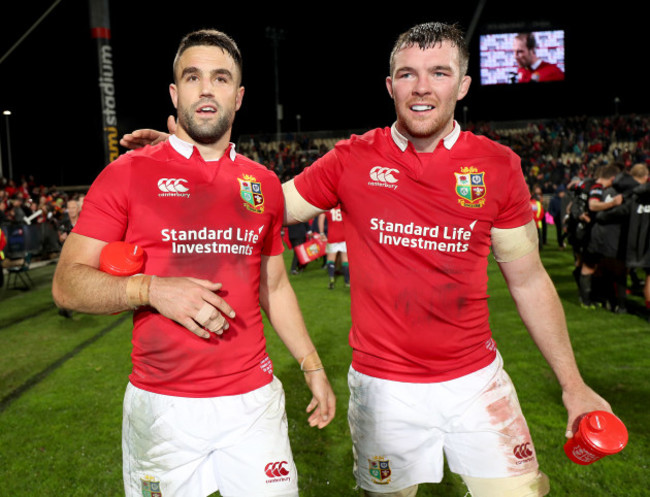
<point>62,382</point>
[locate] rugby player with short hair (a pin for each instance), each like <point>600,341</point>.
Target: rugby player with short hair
<point>426,377</point>
<point>336,246</point>
<point>202,410</point>
<point>531,68</point>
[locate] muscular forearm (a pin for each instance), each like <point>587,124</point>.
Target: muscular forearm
<point>79,285</point>
<point>541,312</point>
<point>83,288</point>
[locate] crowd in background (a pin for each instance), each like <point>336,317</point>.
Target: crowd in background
<point>35,218</point>
<point>553,152</point>
<point>557,155</point>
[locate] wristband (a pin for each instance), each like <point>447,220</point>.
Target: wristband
<point>137,290</point>
<point>310,363</point>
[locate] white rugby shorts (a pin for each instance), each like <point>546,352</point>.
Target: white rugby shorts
<point>333,248</point>
<point>400,431</point>
<point>177,446</point>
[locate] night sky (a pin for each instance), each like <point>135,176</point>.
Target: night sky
<point>332,67</point>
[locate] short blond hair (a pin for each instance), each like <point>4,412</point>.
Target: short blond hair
<point>639,171</point>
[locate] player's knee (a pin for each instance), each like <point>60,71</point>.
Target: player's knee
<point>405,492</point>
<point>533,484</point>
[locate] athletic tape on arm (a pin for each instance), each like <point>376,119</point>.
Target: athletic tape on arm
<point>137,289</point>
<point>511,244</point>
<point>297,207</point>
<point>310,363</point>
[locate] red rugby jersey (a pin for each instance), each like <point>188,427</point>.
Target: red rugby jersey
<point>210,220</point>
<point>335,231</point>
<point>542,73</point>
<point>417,228</point>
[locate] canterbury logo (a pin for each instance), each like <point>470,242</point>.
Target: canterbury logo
<point>383,174</point>
<point>172,185</point>
<point>522,451</point>
<point>276,469</point>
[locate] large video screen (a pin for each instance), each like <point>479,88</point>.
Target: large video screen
<point>513,58</point>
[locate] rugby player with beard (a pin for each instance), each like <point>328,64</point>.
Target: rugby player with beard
<point>202,409</point>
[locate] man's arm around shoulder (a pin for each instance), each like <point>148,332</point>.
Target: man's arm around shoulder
<point>296,208</point>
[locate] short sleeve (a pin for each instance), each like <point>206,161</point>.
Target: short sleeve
<point>105,207</point>
<point>318,183</point>
<point>515,210</point>
<point>273,241</point>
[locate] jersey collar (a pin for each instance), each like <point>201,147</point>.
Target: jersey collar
<point>402,142</point>
<point>185,148</point>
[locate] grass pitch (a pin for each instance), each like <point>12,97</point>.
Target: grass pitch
<point>62,382</point>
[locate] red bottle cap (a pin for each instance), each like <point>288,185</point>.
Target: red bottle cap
<point>604,432</point>
<point>121,259</point>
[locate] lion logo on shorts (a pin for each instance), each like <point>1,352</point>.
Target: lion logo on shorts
<point>150,487</point>
<point>379,470</point>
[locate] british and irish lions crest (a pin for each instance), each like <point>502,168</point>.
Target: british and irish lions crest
<point>151,487</point>
<point>250,191</point>
<point>470,187</point>
<point>380,472</point>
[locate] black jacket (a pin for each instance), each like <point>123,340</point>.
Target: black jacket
<point>633,216</point>
<point>638,239</point>
<point>608,230</point>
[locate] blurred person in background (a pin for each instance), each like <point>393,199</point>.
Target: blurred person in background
<point>335,237</point>
<point>70,218</point>
<point>599,199</point>
<point>531,67</point>
<point>557,208</point>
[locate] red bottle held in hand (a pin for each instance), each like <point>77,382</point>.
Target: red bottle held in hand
<point>121,259</point>
<point>600,434</point>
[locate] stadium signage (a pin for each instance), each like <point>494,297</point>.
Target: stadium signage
<point>107,90</point>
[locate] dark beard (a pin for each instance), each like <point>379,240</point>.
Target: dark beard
<point>204,134</point>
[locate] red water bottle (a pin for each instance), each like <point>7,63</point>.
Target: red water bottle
<point>121,259</point>
<point>600,434</point>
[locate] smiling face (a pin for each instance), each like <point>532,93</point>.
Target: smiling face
<point>425,86</point>
<point>207,94</point>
